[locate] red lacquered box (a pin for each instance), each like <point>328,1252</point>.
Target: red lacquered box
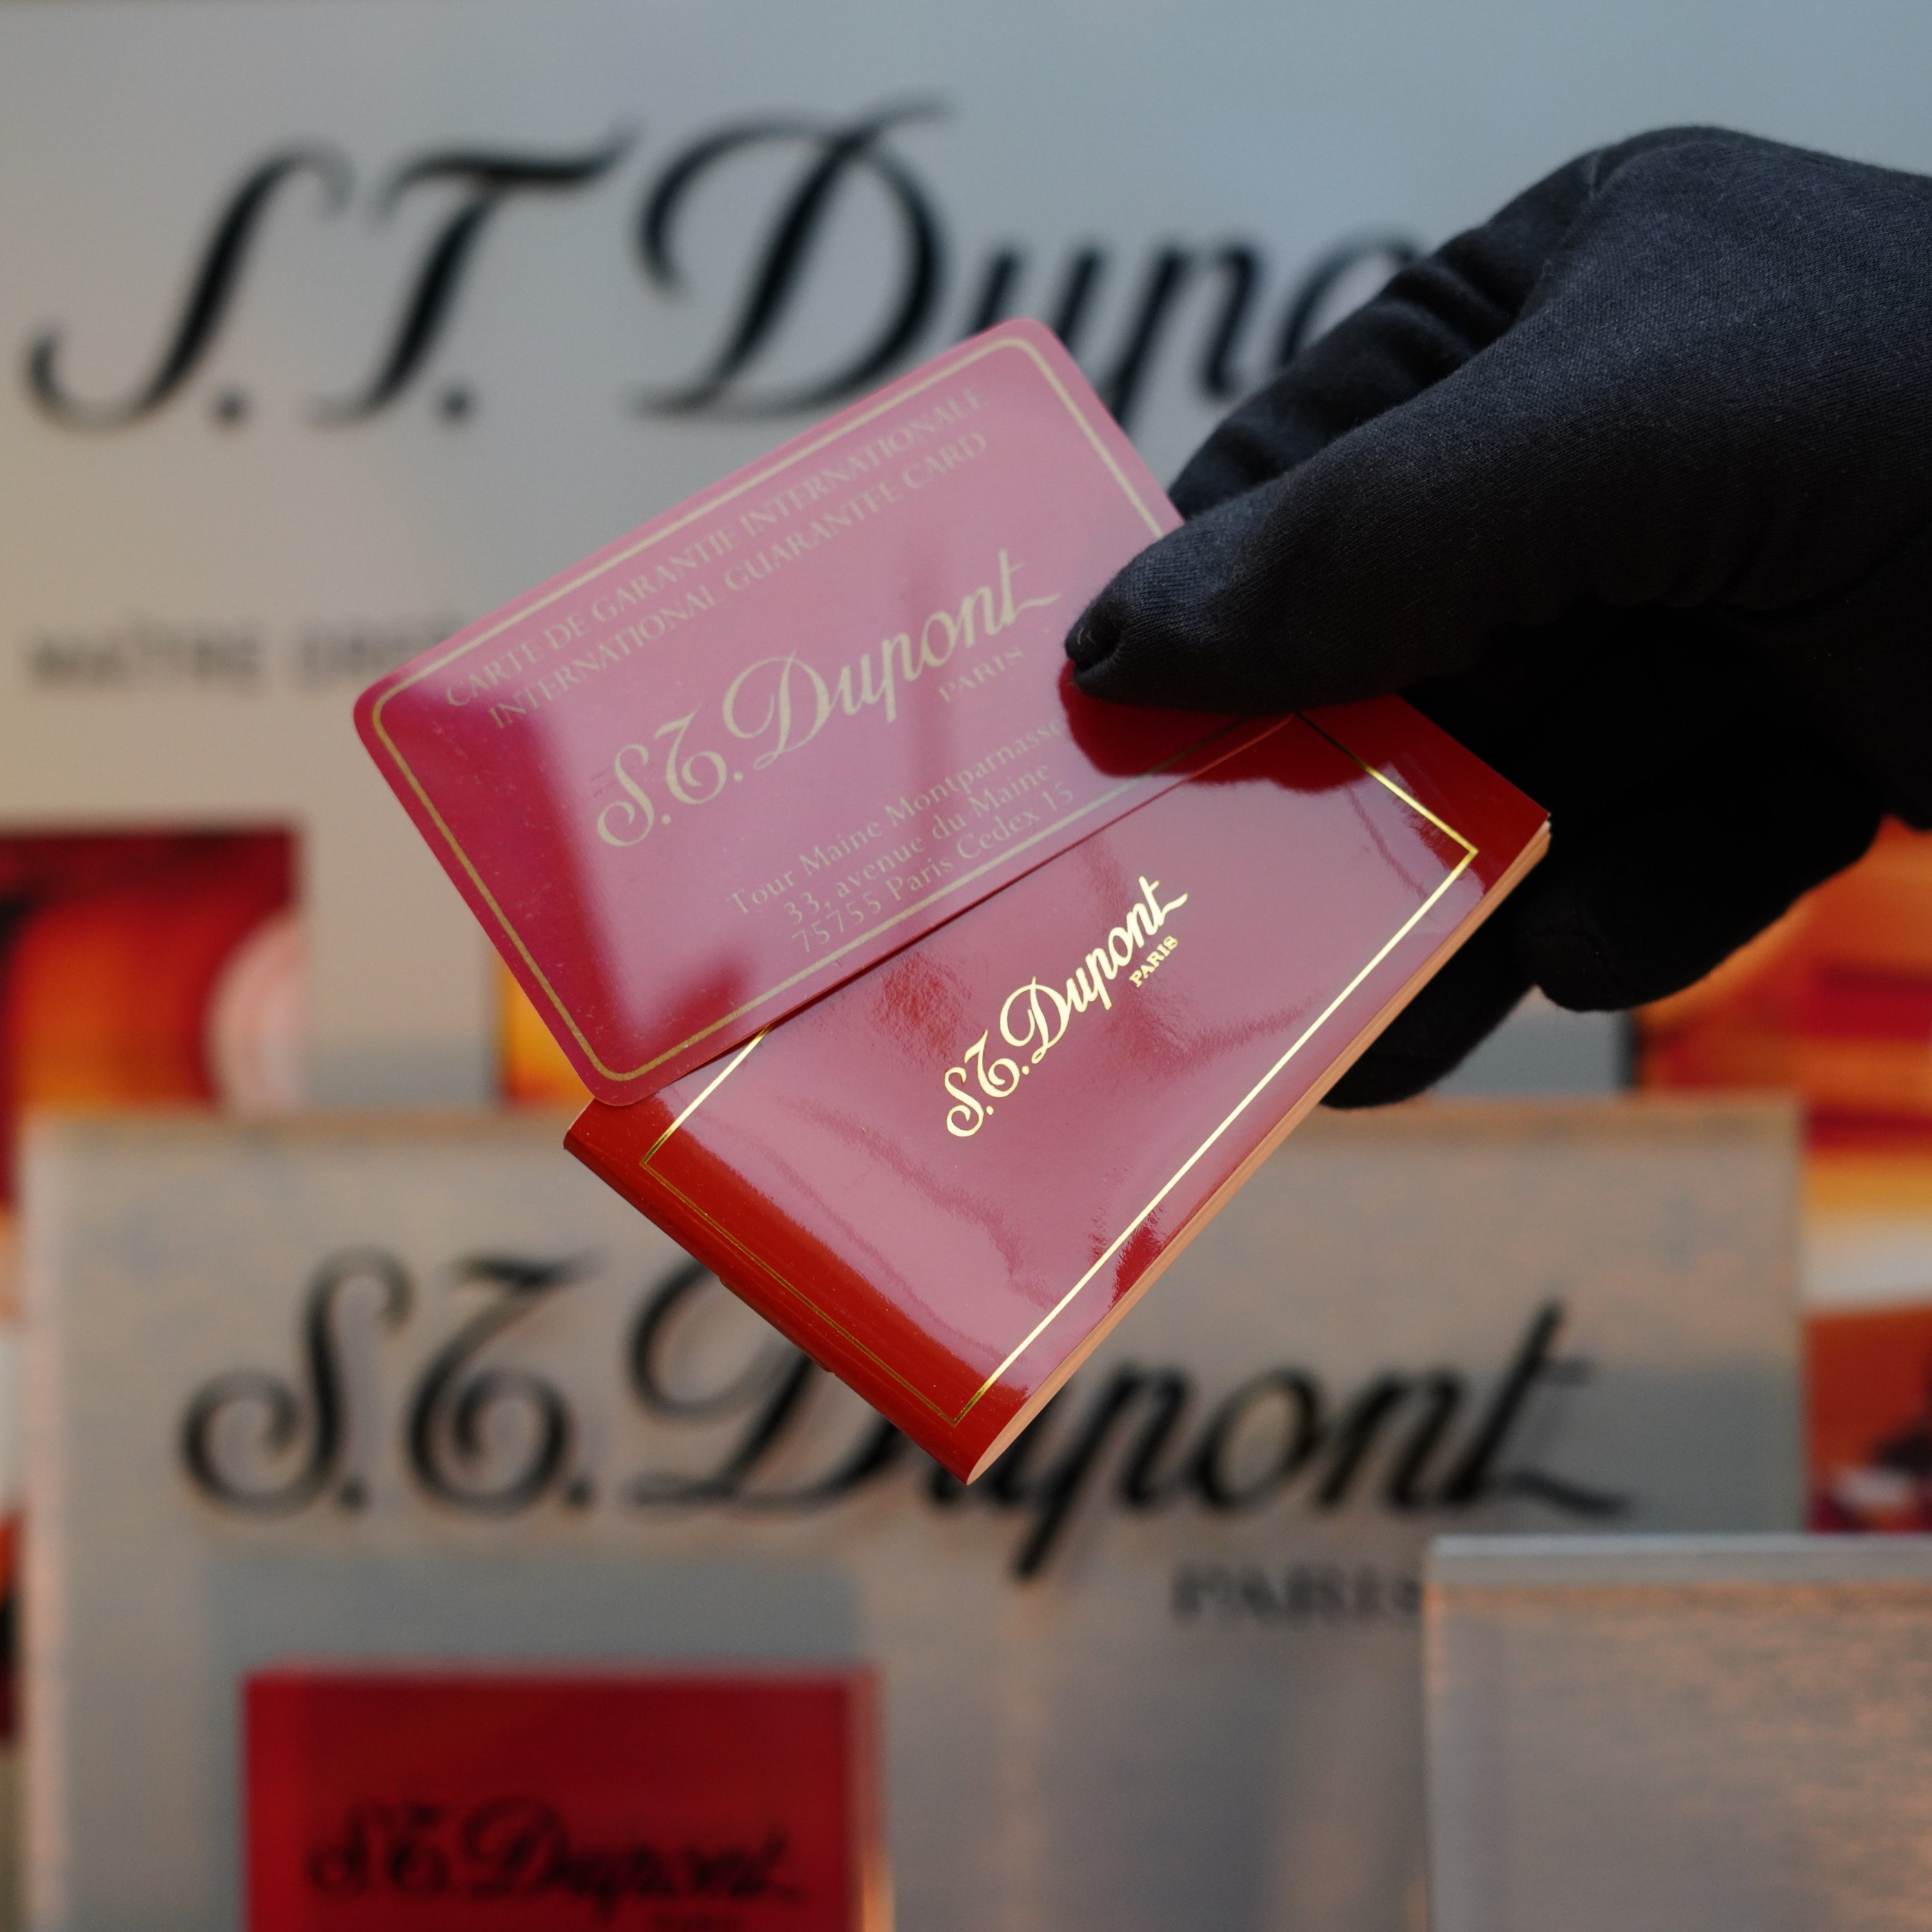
<point>948,1180</point>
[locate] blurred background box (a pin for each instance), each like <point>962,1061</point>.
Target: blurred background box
<point>1680,1734</point>
<point>487,1798</point>
<point>413,1389</point>
<point>1833,1003</point>
<point>1868,1354</point>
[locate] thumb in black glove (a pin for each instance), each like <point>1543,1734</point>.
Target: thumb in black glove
<point>1630,490</point>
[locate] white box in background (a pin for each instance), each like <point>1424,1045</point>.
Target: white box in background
<point>1161,1669</point>
<point>1681,1734</point>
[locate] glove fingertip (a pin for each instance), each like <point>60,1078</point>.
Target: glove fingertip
<point>1382,1080</point>
<point>1093,639</point>
<point>1466,1002</point>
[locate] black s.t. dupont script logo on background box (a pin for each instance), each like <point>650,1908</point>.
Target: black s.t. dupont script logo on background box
<point>1210,314</point>
<point>476,1429</point>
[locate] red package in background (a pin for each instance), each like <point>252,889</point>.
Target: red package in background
<point>472,1800</point>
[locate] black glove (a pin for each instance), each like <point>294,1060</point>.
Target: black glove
<point>1631,490</point>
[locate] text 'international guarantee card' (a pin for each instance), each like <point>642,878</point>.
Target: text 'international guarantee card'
<point>490,1801</point>
<point>749,750</point>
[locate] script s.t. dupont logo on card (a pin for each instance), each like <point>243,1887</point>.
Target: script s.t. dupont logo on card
<point>784,730</point>
<point>1037,1015</point>
<point>466,1801</point>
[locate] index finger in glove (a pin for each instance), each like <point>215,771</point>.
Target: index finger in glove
<point>1583,451</point>
<point>1427,321</point>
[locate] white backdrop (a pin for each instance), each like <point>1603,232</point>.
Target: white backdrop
<point>204,552</point>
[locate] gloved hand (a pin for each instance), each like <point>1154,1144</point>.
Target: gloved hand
<point>1630,490</point>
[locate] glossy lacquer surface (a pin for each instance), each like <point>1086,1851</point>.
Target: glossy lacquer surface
<point>939,1179</point>
<point>776,733</point>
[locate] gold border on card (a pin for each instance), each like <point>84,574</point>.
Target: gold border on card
<point>1247,1100</point>
<point>708,506</point>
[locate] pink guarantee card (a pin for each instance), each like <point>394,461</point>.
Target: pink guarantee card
<point>772,737</point>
